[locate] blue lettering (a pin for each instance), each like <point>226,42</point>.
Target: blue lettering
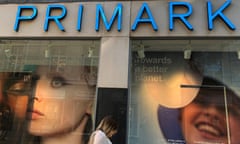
<point>55,18</point>
<point>55,13</point>
<point>182,17</point>
<point>79,21</point>
<point>140,19</point>
<point>19,16</point>
<point>219,12</point>
<point>117,12</point>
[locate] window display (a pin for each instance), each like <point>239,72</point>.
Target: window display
<point>178,99</point>
<point>49,101</point>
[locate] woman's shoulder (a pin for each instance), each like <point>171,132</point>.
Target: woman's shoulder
<point>101,137</point>
<point>99,133</point>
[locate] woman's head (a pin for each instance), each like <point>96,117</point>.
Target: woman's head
<point>62,100</point>
<point>213,116</point>
<point>108,125</point>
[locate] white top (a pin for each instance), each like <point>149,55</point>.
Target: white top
<point>100,138</point>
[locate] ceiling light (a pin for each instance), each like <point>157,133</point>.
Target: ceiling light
<point>187,54</point>
<point>140,51</point>
<point>8,53</point>
<point>188,51</point>
<point>238,54</point>
<point>90,51</point>
<point>47,52</point>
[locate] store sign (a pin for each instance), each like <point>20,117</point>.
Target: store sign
<point>144,16</point>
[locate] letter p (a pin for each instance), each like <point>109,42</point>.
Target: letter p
<point>20,18</point>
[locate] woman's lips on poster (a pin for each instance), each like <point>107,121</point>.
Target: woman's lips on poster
<point>35,114</point>
<point>209,130</point>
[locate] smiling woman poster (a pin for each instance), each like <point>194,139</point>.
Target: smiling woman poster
<point>177,101</point>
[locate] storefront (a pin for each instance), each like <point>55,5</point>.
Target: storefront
<point>167,71</point>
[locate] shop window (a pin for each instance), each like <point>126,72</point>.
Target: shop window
<point>48,90</point>
<point>184,91</point>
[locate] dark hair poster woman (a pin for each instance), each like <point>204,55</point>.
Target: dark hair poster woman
<point>50,104</point>
<point>177,101</point>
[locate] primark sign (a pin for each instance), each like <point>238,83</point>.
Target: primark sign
<point>133,16</point>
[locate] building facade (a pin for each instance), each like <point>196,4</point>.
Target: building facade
<point>167,71</point>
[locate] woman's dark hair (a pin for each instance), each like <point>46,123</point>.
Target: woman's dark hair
<point>213,91</point>
<point>16,85</point>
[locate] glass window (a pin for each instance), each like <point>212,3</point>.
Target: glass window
<point>47,90</point>
<point>184,91</point>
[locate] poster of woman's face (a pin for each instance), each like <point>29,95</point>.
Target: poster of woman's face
<point>61,101</point>
<point>213,116</point>
<point>185,101</point>
<point>50,102</point>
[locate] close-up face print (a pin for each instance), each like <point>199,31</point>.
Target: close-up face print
<point>203,124</point>
<point>60,101</point>
<point>209,119</point>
